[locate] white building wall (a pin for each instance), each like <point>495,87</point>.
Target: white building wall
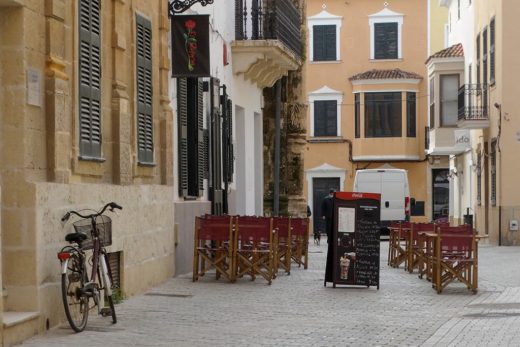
<point>243,198</point>
<point>462,191</point>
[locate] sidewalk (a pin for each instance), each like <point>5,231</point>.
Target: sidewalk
<point>297,310</point>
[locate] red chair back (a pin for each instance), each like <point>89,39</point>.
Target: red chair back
<point>254,229</point>
<point>299,226</point>
<point>281,224</point>
<point>215,228</point>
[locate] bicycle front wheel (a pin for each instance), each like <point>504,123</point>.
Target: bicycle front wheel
<point>112,309</point>
<point>74,301</point>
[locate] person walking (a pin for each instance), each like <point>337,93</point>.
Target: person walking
<point>326,212</point>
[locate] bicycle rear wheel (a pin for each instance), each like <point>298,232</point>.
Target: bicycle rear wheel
<point>75,302</point>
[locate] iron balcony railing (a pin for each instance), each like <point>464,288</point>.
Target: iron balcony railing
<point>473,102</point>
<point>269,20</point>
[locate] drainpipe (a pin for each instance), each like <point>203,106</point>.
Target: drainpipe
<point>276,178</point>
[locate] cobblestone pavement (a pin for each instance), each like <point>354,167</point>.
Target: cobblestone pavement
<point>297,310</point>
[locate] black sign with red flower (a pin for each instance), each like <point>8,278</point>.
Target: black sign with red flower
<point>190,46</point>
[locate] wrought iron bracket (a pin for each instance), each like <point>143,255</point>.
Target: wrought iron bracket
<point>179,6</point>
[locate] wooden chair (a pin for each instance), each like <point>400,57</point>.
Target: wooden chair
<point>417,249</point>
<point>397,251</point>
<point>300,241</point>
<point>212,246</point>
<point>282,253</point>
<point>456,257</point>
<point>254,247</point>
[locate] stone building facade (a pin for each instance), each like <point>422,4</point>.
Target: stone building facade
<point>85,119</point>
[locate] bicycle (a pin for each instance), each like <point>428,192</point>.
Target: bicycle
<point>92,232</point>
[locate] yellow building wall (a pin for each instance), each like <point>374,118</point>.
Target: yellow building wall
<point>438,18</point>
<point>355,58</point>
<point>42,175</point>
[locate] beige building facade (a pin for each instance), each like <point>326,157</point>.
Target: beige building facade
<point>484,177</point>
<point>81,127</point>
<point>367,95</point>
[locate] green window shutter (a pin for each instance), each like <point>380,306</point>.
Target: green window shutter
<point>324,42</point>
<point>385,41</point>
<point>182,129</point>
<point>144,90</point>
<point>200,137</point>
<point>230,153</point>
<point>89,78</point>
<point>325,118</point>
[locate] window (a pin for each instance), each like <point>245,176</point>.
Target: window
<point>325,112</point>
<point>458,9</point>
<point>144,90</point>
<point>484,56</point>
<point>492,51</point>
<point>479,177</point>
<point>89,79</point>
<point>385,41</point>
<point>357,110</point>
<point>410,114</point>
<point>477,49</point>
<point>493,159</point>
<point>324,45</point>
<point>324,41</point>
<point>383,114</point>
<point>432,103</point>
<point>325,118</point>
<point>385,34</point>
<point>190,110</point>
<point>449,100</point>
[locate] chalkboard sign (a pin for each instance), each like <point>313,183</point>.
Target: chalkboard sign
<point>353,254</point>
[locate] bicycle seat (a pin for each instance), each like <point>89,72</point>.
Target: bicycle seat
<point>75,237</point>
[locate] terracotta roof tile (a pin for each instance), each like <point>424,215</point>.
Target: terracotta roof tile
<point>385,74</point>
<point>451,52</point>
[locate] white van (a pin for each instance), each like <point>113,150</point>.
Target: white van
<point>392,184</point>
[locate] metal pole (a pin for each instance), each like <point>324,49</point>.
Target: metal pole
<point>276,180</point>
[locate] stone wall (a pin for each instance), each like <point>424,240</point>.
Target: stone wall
<point>143,231</point>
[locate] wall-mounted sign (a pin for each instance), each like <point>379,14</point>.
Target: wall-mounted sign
<point>190,46</point>
<point>462,139</point>
<point>34,87</point>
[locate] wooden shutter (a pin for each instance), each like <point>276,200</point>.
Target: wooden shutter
<point>411,114</point>
<point>182,129</point>
<point>200,137</point>
<point>492,50</point>
<point>90,78</point>
<point>357,115</point>
<point>144,90</point>
<point>324,42</point>
<point>325,118</point>
<point>385,41</point>
<point>230,153</point>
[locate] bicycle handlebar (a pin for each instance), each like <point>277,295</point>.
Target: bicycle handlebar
<point>111,205</point>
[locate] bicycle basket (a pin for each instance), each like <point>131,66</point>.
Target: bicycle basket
<point>104,225</point>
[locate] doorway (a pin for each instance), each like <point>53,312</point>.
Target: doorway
<point>441,194</point>
<point>320,189</point>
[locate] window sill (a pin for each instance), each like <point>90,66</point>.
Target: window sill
<point>325,62</point>
<point>372,60</point>
<point>325,140</point>
<point>145,164</point>
<point>94,159</point>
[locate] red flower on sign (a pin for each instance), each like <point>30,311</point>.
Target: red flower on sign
<point>190,43</point>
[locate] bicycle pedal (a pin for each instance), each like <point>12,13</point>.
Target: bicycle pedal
<point>106,311</point>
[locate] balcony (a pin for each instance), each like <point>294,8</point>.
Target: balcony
<point>268,40</point>
<point>473,106</point>
<point>447,141</point>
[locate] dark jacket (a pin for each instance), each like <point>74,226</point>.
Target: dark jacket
<point>326,207</point>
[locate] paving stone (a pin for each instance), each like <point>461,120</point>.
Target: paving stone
<point>297,310</point>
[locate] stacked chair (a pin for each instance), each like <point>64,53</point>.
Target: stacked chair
<point>238,246</point>
<point>441,253</point>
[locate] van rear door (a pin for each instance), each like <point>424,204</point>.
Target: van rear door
<point>368,182</point>
<point>393,195</point>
